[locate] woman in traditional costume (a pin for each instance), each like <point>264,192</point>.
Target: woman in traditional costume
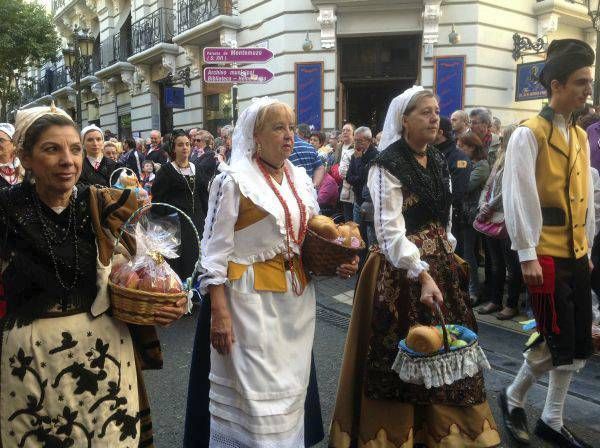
<point>70,374</point>
<point>97,168</point>
<point>262,303</point>
<point>413,269</point>
<point>175,184</point>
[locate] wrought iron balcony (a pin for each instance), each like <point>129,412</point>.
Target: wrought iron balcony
<point>61,78</point>
<point>121,47</point>
<point>152,30</point>
<point>194,12</point>
<point>57,4</point>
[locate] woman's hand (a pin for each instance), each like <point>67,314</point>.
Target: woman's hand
<point>221,325</point>
<point>430,293</point>
<point>484,212</point>
<point>166,315</point>
<point>221,331</point>
<point>349,269</point>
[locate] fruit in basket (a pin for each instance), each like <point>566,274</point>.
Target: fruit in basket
<point>324,227</point>
<point>424,339</point>
<point>350,233</point>
<point>459,343</point>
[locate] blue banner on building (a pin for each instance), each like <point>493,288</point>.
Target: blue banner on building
<point>449,83</point>
<point>528,87</point>
<point>174,97</point>
<point>309,94</point>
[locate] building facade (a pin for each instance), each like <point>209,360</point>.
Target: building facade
<point>367,52</point>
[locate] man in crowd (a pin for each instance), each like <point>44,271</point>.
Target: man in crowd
<point>131,157</point>
<point>460,123</point>
<point>549,214</point>
<point>360,162</point>
<point>344,153</point>
<point>156,153</point>
<point>197,140</point>
<point>458,163</point>
<point>481,124</point>
<point>306,156</point>
<point>496,126</point>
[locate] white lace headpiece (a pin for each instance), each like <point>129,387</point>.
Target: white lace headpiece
<point>242,142</point>
<point>392,126</point>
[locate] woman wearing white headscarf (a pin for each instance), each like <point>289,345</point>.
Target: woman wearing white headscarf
<point>11,171</point>
<point>413,270</point>
<point>262,303</point>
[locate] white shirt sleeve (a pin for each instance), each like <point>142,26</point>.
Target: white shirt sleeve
<point>520,200</point>
<point>345,162</point>
<point>217,241</point>
<point>390,228</point>
<point>596,185</point>
<point>451,237</point>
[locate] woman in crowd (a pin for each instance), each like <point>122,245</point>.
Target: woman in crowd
<point>110,151</point>
<point>479,167</point>
<point>344,153</point>
<point>413,270</point>
<point>175,184</point>
<point>11,171</point>
<point>97,169</point>
<point>502,257</point>
<point>262,303</point>
<point>71,373</point>
<point>326,153</point>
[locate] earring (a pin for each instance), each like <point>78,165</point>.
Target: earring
<point>259,148</point>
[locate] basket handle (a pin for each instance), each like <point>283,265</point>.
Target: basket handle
<point>442,321</point>
<point>118,170</point>
<point>144,208</point>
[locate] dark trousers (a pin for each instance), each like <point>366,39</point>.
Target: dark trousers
<point>573,304</point>
<point>348,208</point>
<point>505,268</point>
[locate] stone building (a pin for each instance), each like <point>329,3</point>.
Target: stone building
<point>370,50</point>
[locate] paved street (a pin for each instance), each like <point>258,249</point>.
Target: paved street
<point>168,388</point>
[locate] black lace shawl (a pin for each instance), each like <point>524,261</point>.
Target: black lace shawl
<point>30,284</point>
<point>431,185</point>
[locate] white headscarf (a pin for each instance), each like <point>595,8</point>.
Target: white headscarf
<point>26,117</point>
<point>392,126</point>
<point>90,128</point>
<point>8,129</point>
<point>242,142</point>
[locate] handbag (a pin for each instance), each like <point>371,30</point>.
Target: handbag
<point>494,226</point>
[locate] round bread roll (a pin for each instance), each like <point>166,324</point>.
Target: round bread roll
<point>424,339</point>
<point>324,227</point>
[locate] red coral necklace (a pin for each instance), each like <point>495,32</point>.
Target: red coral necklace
<point>297,286</point>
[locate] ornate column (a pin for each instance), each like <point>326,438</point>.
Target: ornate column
<point>432,11</point>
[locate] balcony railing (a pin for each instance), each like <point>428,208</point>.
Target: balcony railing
<point>152,30</point>
<point>61,78</point>
<point>57,4</point>
<point>194,12</point>
<point>121,47</point>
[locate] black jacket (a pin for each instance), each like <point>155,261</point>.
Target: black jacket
<point>131,161</point>
<point>459,166</point>
<point>358,172</point>
<point>158,156</point>
<point>101,176</point>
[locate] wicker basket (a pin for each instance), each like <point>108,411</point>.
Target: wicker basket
<point>322,256</point>
<point>136,306</point>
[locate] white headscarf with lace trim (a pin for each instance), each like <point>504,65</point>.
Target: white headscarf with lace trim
<point>392,126</point>
<point>242,142</point>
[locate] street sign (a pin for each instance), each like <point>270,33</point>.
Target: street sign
<point>237,75</point>
<point>214,55</point>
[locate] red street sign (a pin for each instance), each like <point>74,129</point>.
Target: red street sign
<point>215,55</point>
<point>219,75</point>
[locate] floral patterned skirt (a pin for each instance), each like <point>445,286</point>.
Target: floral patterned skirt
<point>373,406</point>
<point>69,381</point>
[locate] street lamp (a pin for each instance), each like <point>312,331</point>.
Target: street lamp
<point>594,13</point>
<point>77,59</point>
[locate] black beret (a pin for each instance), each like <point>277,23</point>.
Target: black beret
<point>563,57</point>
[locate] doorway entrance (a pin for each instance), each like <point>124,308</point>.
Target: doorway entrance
<point>373,70</point>
<point>166,113</point>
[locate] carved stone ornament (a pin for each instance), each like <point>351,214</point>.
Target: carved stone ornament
<point>127,79</point>
<point>96,90</point>
<point>192,56</point>
<point>547,24</point>
<point>228,38</point>
<point>168,64</point>
<point>108,88</point>
<point>431,18</point>
<point>141,78</point>
<point>327,19</point>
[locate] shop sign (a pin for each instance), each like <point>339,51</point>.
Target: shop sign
<point>215,55</point>
<point>237,75</point>
<point>309,93</point>
<point>449,83</point>
<point>174,97</point>
<point>528,87</point>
